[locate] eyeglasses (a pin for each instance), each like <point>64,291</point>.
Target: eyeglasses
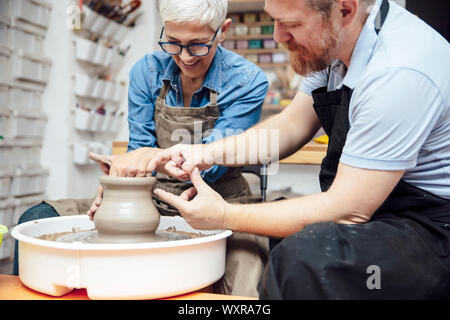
<point>198,50</point>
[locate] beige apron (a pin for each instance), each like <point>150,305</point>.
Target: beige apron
<point>193,125</point>
<point>246,253</point>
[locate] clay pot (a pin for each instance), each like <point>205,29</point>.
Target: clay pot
<point>127,212</point>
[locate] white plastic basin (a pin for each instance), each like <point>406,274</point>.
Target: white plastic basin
<point>118,271</point>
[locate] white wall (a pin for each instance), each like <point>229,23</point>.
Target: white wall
<point>67,180</point>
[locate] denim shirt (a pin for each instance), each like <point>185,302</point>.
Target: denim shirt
<point>240,84</point>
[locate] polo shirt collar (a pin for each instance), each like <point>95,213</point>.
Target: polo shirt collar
<point>363,49</point>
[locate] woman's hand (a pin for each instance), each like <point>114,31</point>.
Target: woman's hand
<point>206,211</point>
<point>130,164</point>
<point>94,207</point>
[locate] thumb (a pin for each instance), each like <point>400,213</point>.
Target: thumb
<point>101,158</point>
<point>197,180</point>
<point>178,202</point>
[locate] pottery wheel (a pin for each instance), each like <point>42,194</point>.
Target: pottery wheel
<point>92,236</point>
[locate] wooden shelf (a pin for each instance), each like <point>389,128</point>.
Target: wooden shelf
<point>272,65</point>
<point>250,37</point>
<point>245,5</point>
<point>273,107</point>
<point>312,153</point>
<point>256,51</point>
<point>254,24</point>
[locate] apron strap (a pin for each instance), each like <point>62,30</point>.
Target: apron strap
<point>164,90</point>
<point>212,98</point>
<point>381,18</point>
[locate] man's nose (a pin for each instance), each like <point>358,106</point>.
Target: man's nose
<point>280,33</point>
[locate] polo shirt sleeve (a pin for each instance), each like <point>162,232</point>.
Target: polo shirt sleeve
<point>391,115</point>
<point>314,81</point>
<point>141,107</point>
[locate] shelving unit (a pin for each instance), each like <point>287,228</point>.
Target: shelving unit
<point>24,74</point>
<point>251,35</point>
<point>276,58</point>
<point>97,91</point>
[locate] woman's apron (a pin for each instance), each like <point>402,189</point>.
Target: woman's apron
<point>246,253</point>
<point>194,124</point>
<point>408,237</point>
<point>232,186</point>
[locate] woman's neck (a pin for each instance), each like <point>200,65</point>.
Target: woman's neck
<point>189,86</point>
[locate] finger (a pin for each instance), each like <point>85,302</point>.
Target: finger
<point>100,192</point>
<point>188,194</point>
<point>188,167</point>
<point>178,158</point>
<point>158,159</point>
<point>172,199</point>
<point>114,172</point>
<point>105,168</point>
<point>142,166</point>
<point>177,173</point>
<point>198,181</point>
<point>101,158</point>
<point>131,172</point>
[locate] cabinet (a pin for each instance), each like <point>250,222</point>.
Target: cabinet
<point>252,36</point>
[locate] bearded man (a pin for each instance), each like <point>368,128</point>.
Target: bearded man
<point>378,83</point>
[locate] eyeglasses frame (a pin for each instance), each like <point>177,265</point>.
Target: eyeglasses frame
<point>188,47</point>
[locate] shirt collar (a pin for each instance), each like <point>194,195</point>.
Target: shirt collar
<point>212,79</point>
<point>363,49</point>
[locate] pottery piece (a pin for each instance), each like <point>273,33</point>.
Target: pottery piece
<point>127,212</point>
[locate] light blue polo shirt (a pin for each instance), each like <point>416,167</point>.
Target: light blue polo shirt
<point>399,112</point>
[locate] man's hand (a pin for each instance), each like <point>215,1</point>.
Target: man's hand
<point>206,211</point>
<point>179,160</point>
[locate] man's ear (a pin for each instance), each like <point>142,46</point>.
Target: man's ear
<point>348,10</point>
<point>224,29</point>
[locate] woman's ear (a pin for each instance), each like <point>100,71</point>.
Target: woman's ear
<point>224,29</point>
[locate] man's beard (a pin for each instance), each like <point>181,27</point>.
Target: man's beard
<point>304,61</point>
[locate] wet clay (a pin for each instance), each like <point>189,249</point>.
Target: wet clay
<point>127,212</point>
<point>92,236</point>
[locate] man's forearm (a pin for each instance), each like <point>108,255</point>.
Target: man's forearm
<point>279,218</point>
<point>271,140</point>
<point>286,217</point>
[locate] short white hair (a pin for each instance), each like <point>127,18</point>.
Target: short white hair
<point>212,12</point>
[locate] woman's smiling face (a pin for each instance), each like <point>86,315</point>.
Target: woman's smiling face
<point>193,67</point>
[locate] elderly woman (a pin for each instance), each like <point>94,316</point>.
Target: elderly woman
<point>193,91</point>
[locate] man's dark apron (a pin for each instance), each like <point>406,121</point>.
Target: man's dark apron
<point>408,237</point>
<point>191,125</point>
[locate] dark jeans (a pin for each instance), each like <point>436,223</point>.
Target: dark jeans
<point>39,211</point>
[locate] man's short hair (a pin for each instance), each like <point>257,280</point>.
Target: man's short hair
<point>325,6</point>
